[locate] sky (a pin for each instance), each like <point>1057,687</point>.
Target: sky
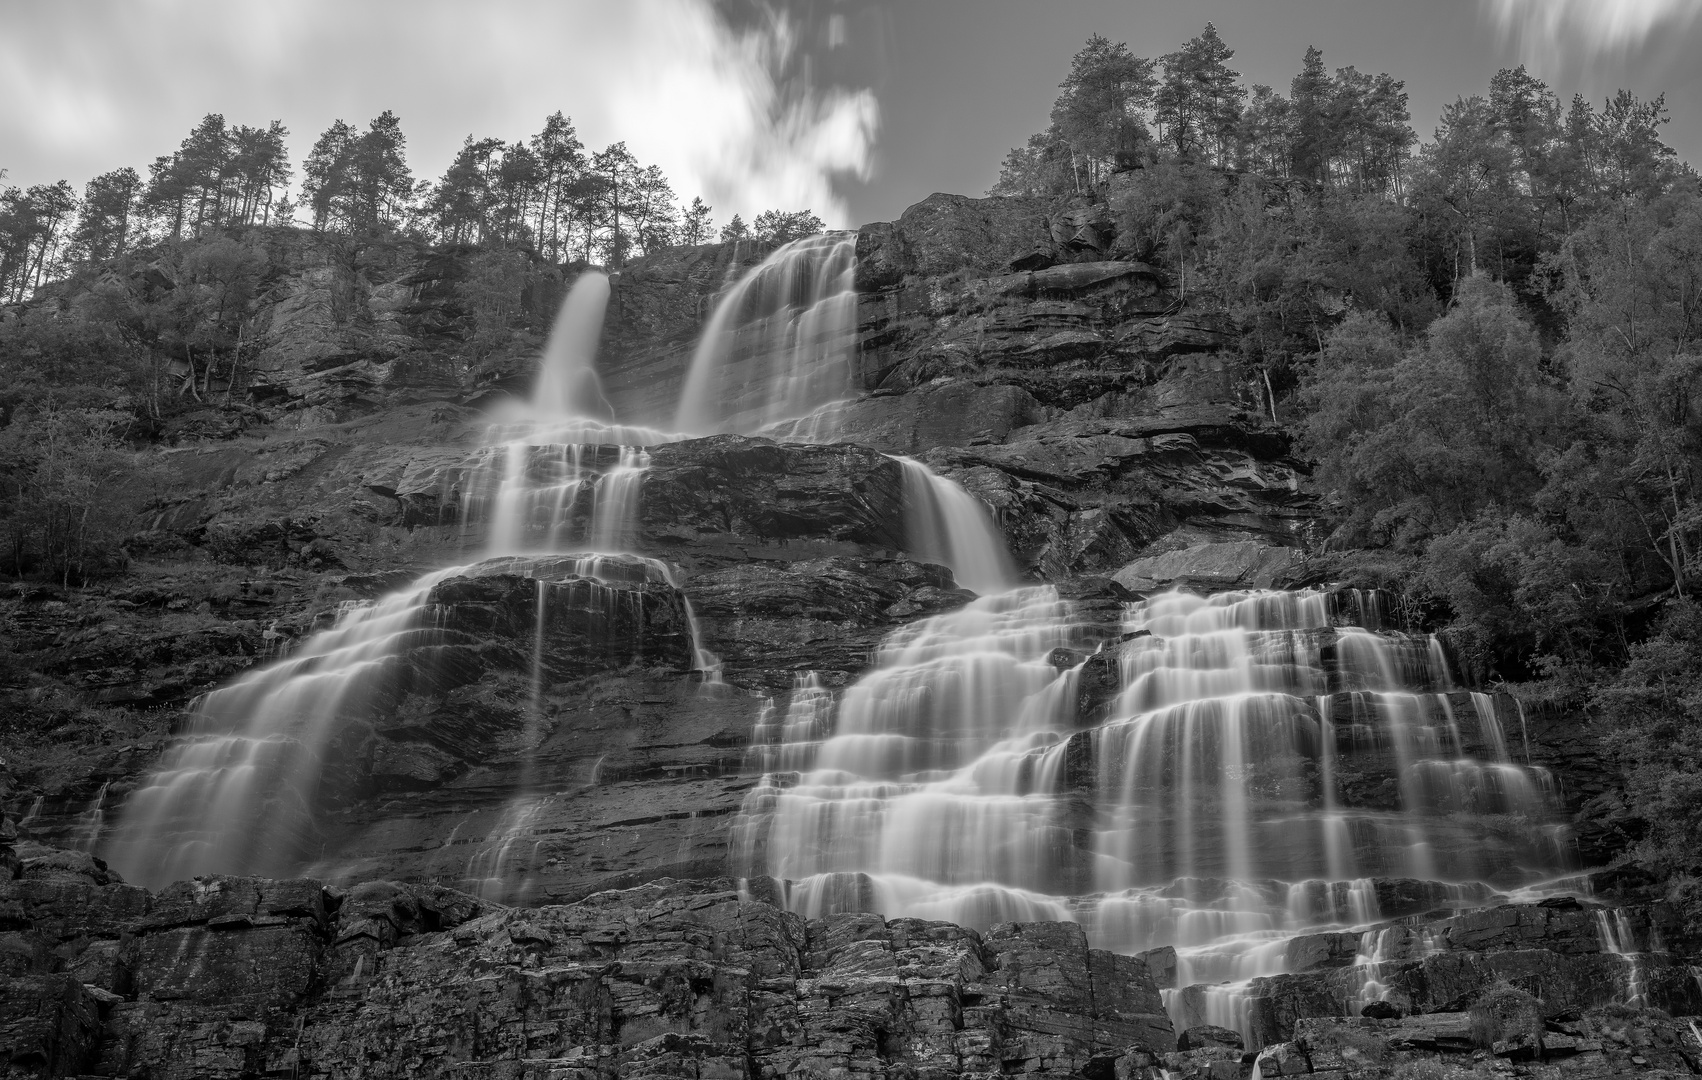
<point>853,108</point>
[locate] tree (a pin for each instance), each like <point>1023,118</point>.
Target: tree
<point>1418,441</point>
<point>695,224</point>
<point>103,229</point>
<point>654,221</point>
<point>1040,168</point>
<point>517,186</point>
<point>1630,286</point>
<point>457,205</point>
<point>260,167</point>
<point>1468,179</point>
<point>68,488</point>
<point>1267,133</point>
<point>735,231</point>
<point>323,174</point>
<point>561,170</point>
<point>617,175</point>
<point>1635,163</point>
<point>1100,114</point>
<point>780,227</point>
<point>34,227</point>
<point>1372,136</point>
<point>1311,95</point>
<point>358,182</point>
<point>1198,103</point>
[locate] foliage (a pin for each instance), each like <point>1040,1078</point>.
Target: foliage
<point>1348,131</point>
<point>358,182</point>
<point>1418,440</point>
<point>1098,117</point>
<point>69,488</point>
<point>780,227</point>
<point>1653,707</point>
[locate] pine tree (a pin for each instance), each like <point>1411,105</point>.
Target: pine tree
<point>695,224</point>
<point>561,164</point>
<point>735,230</point>
<point>1311,96</point>
<point>1198,102</point>
<point>104,228</point>
<point>1100,114</point>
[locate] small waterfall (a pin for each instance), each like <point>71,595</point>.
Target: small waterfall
<point>1616,936</point>
<point>238,790</point>
<point>497,870</point>
<point>91,821</point>
<point>567,387</point>
<point>929,783</point>
<point>779,344</point>
<point>949,526</point>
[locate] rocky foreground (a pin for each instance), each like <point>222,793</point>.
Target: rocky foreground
<point>247,977</point>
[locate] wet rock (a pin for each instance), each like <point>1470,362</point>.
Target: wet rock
<point>772,622</point>
<point>49,1025</point>
<point>1202,1036</point>
<point>736,498</point>
<point>1210,567</point>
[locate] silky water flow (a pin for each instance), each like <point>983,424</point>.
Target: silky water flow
<point>554,492</point>
<point>1224,802</point>
<point>554,489</point>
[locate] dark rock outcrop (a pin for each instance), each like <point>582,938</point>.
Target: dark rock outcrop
<point>245,977</point>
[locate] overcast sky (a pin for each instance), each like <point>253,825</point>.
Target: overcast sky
<point>855,108</point>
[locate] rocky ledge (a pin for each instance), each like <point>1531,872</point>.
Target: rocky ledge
<point>247,977</point>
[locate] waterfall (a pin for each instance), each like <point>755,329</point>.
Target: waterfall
<point>949,526</point>
<point>779,345</point>
<point>1235,793</point>
<point>933,782</point>
<point>241,790</point>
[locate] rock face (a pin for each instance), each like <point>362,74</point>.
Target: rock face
<point>239,977</point>
<point>235,977</point>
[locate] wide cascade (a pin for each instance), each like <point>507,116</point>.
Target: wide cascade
<point>554,494</point>
<point>1271,762</point>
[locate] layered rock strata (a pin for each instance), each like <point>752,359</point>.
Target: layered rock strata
<point>239,977</point>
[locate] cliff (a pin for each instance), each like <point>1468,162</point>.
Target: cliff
<point>521,860</point>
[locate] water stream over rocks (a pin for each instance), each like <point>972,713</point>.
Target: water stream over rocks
<point>1266,768</point>
<point>1198,779</point>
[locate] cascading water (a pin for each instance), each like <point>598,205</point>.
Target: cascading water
<point>949,526</point>
<point>559,473</point>
<point>1230,797</point>
<point>777,351</point>
<point>240,792</point>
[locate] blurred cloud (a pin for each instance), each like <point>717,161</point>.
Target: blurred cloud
<point>730,113</point>
<point>1553,33</point>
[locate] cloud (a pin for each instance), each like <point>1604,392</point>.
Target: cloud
<point>728,113</point>
<point>752,135</point>
<point>1550,31</point>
